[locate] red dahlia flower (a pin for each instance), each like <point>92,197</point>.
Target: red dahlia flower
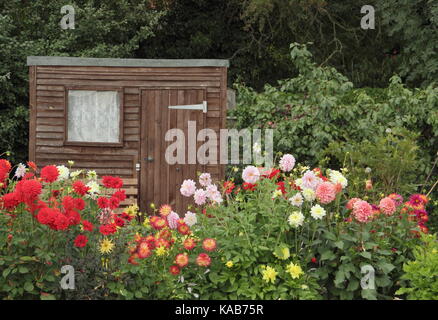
<point>80,188</point>
<point>81,241</point>
<point>112,182</point>
<point>189,243</point>
<point>74,218</point>
<point>107,229</point>
<point>175,270</point>
<point>182,260</point>
<point>249,186</point>
<point>183,229</point>
<point>229,186</point>
<point>209,244</point>
<point>68,203</point>
<point>28,190</point>
<point>143,250</point>
<point>79,204</point>
<point>87,225</point>
<point>10,201</point>
<point>120,194</point>
<point>49,173</point>
<point>203,260</point>
<point>103,202</point>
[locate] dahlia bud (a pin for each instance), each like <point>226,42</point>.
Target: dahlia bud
<point>368,185</point>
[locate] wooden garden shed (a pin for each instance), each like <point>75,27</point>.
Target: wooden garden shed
<point>111,115</point>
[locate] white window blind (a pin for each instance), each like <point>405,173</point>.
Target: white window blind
<point>93,116</point>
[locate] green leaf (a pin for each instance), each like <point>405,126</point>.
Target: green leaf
<point>339,278</point>
<point>28,286</point>
<point>386,267</point>
<point>353,284</point>
<point>339,244</point>
<point>327,255</point>
<point>366,255</point>
<point>23,270</point>
<point>369,294</point>
<point>6,272</point>
<point>27,258</point>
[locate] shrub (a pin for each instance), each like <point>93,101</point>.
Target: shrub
<point>421,273</point>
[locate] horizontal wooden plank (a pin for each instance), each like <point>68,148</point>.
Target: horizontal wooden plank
<point>128,109</point>
<point>45,93</point>
<point>49,142</point>
<point>51,99</point>
<point>81,156</point>
<point>50,114</point>
<point>50,121</point>
<point>127,77</point>
<point>47,107</point>
<point>132,116</point>
<point>131,131</point>
<point>132,104</point>
<point>208,70</point>
<point>131,137</point>
<point>50,135</point>
<point>131,123</point>
<point>51,88</point>
<point>120,83</point>
<point>132,97</point>
<point>47,128</point>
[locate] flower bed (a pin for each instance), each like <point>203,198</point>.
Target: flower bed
<point>285,233</point>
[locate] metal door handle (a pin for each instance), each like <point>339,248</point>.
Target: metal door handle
<point>150,159</point>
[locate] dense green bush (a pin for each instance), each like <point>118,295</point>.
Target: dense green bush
<point>421,273</point>
<point>389,161</point>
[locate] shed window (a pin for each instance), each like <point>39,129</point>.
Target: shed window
<point>93,116</point>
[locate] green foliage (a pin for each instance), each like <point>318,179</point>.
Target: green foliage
<point>415,25</point>
<point>320,106</point>
<point>14,132</point>
<point>421,273</point>
<point>391,159</point>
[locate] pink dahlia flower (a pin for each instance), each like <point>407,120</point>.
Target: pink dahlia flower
<point>172,219</point>
<point>188,188</point>
<point>310,180</point>
<point>205,179</point>
<point>362,211</point>
<point>200,197</point>
<point>387,206</point>
<point>326,192</point>
<point>287,162</point>
<point>251,174</point>
<point>351,203</point>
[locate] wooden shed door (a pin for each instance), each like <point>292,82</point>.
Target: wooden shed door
<point>159,181</point>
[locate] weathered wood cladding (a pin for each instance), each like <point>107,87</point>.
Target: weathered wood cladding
<point>48,96</point>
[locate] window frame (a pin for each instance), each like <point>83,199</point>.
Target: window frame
<point>120,92</point>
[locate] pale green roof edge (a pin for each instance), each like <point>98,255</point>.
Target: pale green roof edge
<point>111,62</point>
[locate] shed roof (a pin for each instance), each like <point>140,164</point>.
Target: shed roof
<point>111,62</point>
